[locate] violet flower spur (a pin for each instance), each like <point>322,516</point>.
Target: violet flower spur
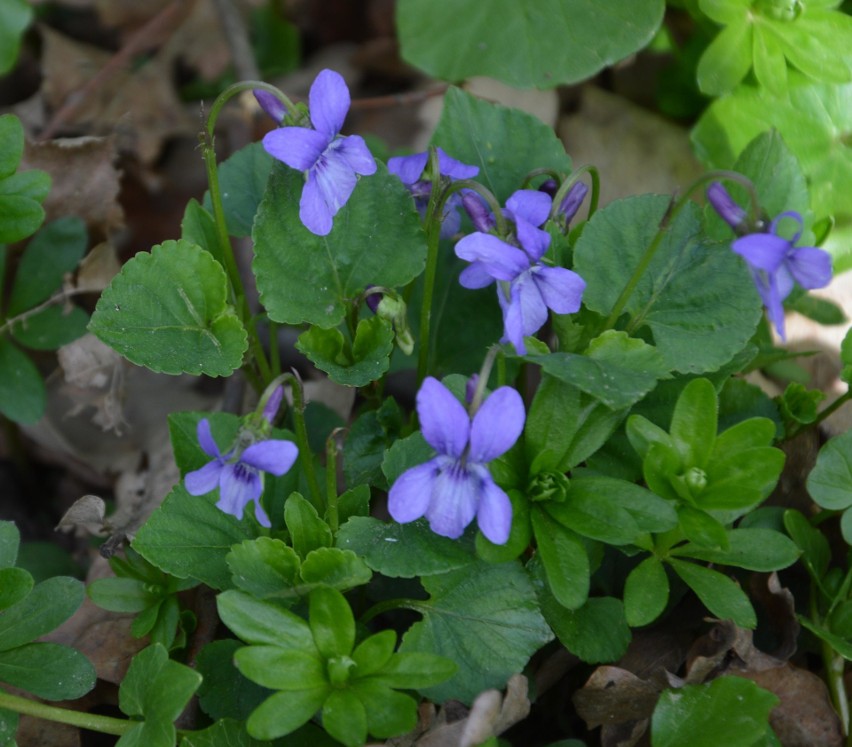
<point>410,169</point>
<point>526,288</point>
<point>776,264</point>
<point>237,473</point>
<point>454,486</point>
<point>332,163</point>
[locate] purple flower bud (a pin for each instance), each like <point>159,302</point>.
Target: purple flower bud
<point>373,300</point>
<point>572,201</point>
<point>470,388</point>
<point>724,204</point>
<point>272,404</point>
<point>478,211</point>
<point>272,105</point>
<point>549,187</point>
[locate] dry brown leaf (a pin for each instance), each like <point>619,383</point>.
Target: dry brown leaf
<point>613,695</point>
<point>140,106</point>
<point>805,716</point>
<point>103,637</point>
<point>200,43</point>
<point>85,182</point>
<point>98,268</point>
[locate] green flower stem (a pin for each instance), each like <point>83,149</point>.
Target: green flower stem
<point>90,721</point>
<point>433,233</point>
<point>552,173</point>
<point>482,381</point>
<point>305,455</point>
<point>675,206</point>
<point>434,214</point>
<point>225,252</point>
<point>331,452</point>
<point>835,666</point>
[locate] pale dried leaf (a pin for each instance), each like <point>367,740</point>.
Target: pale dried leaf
<point>87,513</point>
<point>84,183</point>
<point>98,268</point>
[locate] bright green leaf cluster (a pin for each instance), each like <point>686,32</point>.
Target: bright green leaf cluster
<point>766,35</point>
<point>155,690</point>
<point>141,588</point>
<point>27,612</point>
<point>317,666</point>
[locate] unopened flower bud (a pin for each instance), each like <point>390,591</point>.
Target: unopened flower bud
<point>470,388</point>
<point>549,187</point>
<point>479,213</point>
<point>271,104</point>
<point>373,300</point>
<point>725,206</point>
<point>272,404</point>
<point>696,480</point>
<point>394,309</point>
<point>572,201</point>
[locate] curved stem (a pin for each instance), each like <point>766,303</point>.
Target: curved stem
<point>90,721</point>
<point>237,88</point>
<point>674,207</point>
<point>386,606</point>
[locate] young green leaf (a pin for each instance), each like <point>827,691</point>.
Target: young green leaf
<point>729,710</point>
<point>719,594</point>
<point>565,560</point>
<point>646,592</point>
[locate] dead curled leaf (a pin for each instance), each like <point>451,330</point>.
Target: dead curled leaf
<point>622,703</point>
<point>490,715</point>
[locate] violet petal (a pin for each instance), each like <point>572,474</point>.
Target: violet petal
<point>238,485</point>
<point>408,168</point>
<point>205,439</point>
<point>298,147</point>
<point>497,425</point>
<point>273,456</point>
<point>810,267</point>
<point>410,494</point>
<point>475,275</point>
<point>444,422</point>
<point>494,514</point>
<point>202,481</point>
<point>329,103</point>
<point>354,151</point>
<point>455,498</point>
<point>763,251</point>
<point>313,210</point>
<point>530,205</point>
<point>501,260</point>
<point>561,289</point>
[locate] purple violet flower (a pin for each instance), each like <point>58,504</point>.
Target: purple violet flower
<point>456,486</point>
<point>527,288</point>
<point>237,474</point>
<point>410,169</point>
<point>332,163</point>
<point>777,263</point>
